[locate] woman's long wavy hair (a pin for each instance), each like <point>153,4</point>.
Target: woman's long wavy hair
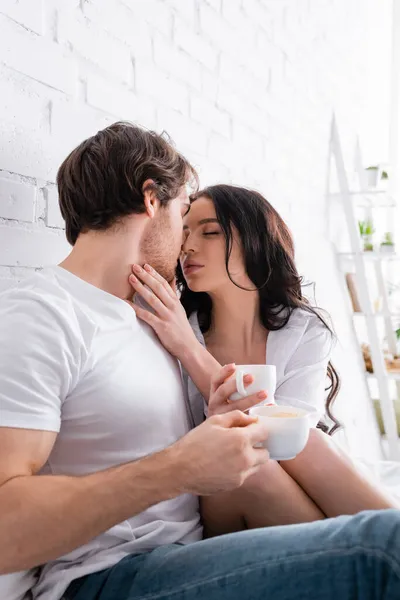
<point>268,252</point>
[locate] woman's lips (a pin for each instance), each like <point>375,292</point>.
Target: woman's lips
<point>191,268</point>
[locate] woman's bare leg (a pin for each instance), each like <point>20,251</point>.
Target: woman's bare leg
<point>320,482</point>
<point>270,497</point>
<point>329,477</point>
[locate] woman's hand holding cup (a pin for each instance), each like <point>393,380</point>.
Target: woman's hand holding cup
<point>223,386</point>
<point>287,426</point>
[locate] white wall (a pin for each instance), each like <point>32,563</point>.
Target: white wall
<point>246,88</point>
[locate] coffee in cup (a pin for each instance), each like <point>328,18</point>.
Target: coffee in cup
<point>284,415</point>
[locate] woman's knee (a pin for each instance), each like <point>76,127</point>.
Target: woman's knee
<point>270,478</point>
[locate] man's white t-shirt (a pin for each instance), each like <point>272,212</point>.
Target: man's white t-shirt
<point>75,360</point>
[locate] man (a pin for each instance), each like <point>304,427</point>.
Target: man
<point>99,470</point>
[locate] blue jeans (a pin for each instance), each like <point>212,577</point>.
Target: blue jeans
<point>336,559</point>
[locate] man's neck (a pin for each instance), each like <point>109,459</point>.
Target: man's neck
<point>104,259</point>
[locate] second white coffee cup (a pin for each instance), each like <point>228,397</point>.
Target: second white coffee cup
<point>288,430</point>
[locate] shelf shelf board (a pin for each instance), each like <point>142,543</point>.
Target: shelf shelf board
<point>377,315</point>
<point>389,374</point>
<point>366,192</point>
<point>370,198</point>
<point>372,256</point>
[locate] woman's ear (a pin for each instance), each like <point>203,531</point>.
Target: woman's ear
<point>150,199</point>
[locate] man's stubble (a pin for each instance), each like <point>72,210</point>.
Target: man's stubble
<point>160,248</point>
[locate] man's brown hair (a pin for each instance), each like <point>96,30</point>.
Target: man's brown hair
<point>102,179</point>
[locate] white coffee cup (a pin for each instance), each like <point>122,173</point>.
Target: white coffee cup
<point>287,436</point>
<point>264,379</point>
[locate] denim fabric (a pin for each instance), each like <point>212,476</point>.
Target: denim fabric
<point>347,558</point>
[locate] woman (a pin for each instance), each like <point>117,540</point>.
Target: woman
<point>242,295</point>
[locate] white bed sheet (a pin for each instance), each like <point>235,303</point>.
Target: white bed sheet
<point>387,473</point>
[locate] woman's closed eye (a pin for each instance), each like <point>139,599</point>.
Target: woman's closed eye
<point>211,233</point>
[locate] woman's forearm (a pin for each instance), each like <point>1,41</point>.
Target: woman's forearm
<point>201,366</point>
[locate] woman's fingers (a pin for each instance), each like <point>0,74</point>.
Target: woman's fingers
<point>169,287</point>
<point>222,375</point>
<point>248,401</point>
<point>173,328</point>
<point>224,385</point>
<point>228,387</point>
<point>147,295</point>
<point>146,316</point>
<point>156,284</point>
<point>242,404</point>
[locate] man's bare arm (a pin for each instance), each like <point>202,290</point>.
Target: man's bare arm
<point>44,517</point>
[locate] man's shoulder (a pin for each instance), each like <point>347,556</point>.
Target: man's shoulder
<point>40,290</point>
<point>40,299</point>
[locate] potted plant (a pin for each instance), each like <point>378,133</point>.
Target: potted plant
<point>372,176</point>
<point>384,180</point>
<point>387,245</point>
<point>376,174</point>
<point>367,230</point>
<point>384,175</point>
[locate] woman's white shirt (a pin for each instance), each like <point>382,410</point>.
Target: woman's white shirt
<point>300,351</point>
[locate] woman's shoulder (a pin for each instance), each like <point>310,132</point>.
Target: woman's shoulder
<point>305,331</point>
<point>315,331</point>
<point>313,321</point>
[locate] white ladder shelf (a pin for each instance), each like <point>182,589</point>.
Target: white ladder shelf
<point>359,257</point>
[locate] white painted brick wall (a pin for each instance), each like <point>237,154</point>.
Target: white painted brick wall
<point>246,88</point>
<point>205,113</point>
<point>119,100</point>
<point>90,42</point>
<point>31,247</point>
<point>177,63</point>
<point>125,22</point>
<point>165,90</point>
<point>17,200</point>
<point>27,13</point>
<point>36,57</point>
<point>52,209</point>
<point>194,44</point>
